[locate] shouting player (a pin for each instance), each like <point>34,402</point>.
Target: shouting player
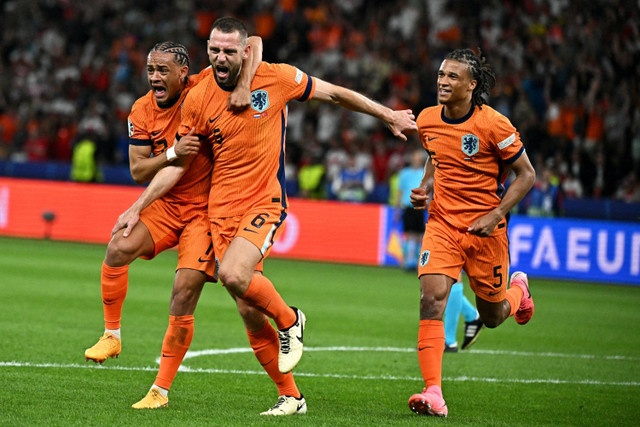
<point>248,203</point>
<point>178,218</point>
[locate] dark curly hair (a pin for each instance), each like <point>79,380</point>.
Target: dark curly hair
<point>480,71</point>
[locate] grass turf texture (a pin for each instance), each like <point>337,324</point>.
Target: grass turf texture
<point>576,363</point>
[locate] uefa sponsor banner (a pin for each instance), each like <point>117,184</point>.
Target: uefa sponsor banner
<point>563,248</point>
<point>314,230</point>
<point>576,249</point>
<point>331,231</point>
<point>62,210</point>
<point>573,249</point>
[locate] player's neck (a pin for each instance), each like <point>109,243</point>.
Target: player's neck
<point>170,102</point>
<point>457,110</point>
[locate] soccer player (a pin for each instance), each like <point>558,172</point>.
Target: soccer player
<point>413,222</point>
<point>471,146</point>
<point>180,217</point>
<point>248,203</point>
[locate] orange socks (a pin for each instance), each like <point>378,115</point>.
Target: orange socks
<point>174,346</point>
<point>265,346</point>
<point>430,349</point>
<point>514,296</point>
<point>114,283</point>
<point>263,295</point>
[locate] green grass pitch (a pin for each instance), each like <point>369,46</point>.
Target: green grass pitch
<point>576,363</point>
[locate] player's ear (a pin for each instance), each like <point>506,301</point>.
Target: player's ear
<point>247,51</point>
<point>184,72</point>
<point>472,85</point>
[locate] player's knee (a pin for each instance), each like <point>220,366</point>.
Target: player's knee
<point>431,307</point>
<point>233,280</point>
<point>119,252</point>
<point>185,298</point>
<point>491,321</point>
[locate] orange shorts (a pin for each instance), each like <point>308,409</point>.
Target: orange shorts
<point>261,226</point>
<point>446,250</point>
<point>187,226</point>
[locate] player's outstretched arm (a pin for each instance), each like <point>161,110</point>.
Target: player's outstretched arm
<point>240,98</point>
<point>525,178</point>
<point>420,195</point>
<point>398,121</point>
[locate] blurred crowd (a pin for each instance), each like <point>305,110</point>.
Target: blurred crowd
<point>568,78</point>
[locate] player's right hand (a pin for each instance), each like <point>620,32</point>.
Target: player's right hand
<point>188,144</point>
<point>419,198</point>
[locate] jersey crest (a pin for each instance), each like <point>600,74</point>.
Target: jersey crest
<point>259,100</point>
<point>424,258</point>
<point>470,144</point>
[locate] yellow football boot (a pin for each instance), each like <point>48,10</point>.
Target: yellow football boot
<point>107,346</point>
<point>153,400</point>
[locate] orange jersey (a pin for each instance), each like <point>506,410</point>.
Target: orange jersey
<point>248,147</point>
<point>471,156</point>
<point>152,125</point>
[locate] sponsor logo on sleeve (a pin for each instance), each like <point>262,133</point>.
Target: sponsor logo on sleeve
<point>131,128</point>
<point>298,76</point>
<point>507,142</point>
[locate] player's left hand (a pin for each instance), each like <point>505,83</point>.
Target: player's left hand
<point>402,121</point>
<point>239,99</point>
<point>485,225</point>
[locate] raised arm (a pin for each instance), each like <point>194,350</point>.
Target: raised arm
<point>398,121</point>
<point>421,194</point>
<point>240,98</point>
<point>525,178</point>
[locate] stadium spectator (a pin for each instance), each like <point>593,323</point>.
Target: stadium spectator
<point>353,183</point>
<point>545,194</point>
<point>84,163</point>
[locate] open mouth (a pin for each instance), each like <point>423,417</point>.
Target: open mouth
<point>159,91</point>
<point>222,72</point>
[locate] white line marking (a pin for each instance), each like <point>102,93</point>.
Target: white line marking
<point>313,375</point>
<point>215,351</point>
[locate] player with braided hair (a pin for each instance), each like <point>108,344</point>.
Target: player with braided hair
<point>178,218</point>
<point>480,71</point>
<point>471,148</point>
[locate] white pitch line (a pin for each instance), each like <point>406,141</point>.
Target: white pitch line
<point>215,351</point>
<point>314,375</point>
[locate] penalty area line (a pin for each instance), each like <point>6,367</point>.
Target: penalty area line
<point>316,375</point>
